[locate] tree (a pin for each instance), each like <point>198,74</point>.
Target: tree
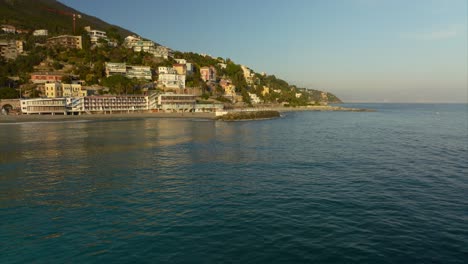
<point>67,79</point>
<point>118,84</point>
<point>8,93</point>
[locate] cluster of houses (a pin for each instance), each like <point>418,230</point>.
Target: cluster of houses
<point>60,98</point>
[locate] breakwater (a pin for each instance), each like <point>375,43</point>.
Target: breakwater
<point>248,115</point>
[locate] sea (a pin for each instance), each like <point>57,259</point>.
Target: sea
<point>389,186</point>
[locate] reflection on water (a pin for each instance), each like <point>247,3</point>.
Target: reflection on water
<point>300,189</point>
<point>52,156</point>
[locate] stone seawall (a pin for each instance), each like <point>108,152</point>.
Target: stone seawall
<point>248,115</point>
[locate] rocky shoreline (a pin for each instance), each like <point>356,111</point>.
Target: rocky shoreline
<point>249,115</point>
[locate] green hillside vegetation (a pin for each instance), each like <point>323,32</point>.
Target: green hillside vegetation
<point>88,64</point>
<point>37,14</point>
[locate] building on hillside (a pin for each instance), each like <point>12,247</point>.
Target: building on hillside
<point>163,52</point>
<point>96,35</point>
<point>208,74</point>
<point>254,98</point>
<point>143,45</point>
<point>222,65</point>
<point>228,87</point>
<point>248,74</point>
<point>19,46</point>
<point>113,68</point>
<point>9,29</point>
<point>169,78</point>
<point>298,95</point>
<point>170,102</point>
<point>58,90</point>
<point>67,41</point>
<point>42,106</point>
<point>22,31</point>
<point>10,49</point>
<point>277,91</point>
<point>40,33</point>
<point>129,71</point>
<point>138,44</point>
<point>139,72</point>
<point>189,66</point>
<point>180,69</point>
<point>46,77</point>
<point>265,90</point>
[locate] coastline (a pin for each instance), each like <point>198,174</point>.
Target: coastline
<point>95,117</point>
<point>12,119</point>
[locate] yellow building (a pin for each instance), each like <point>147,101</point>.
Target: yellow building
<point>181,69</point>
<point>265,91</point>
<point>58,90</point>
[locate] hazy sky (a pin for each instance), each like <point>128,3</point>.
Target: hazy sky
<point>361,50</point>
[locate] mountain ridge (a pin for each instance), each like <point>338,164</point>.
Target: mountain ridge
<point>36,14</point>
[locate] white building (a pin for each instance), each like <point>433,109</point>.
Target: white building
<point>113,68</point>
<point>107,104</point>
<point>9,29</point>
<point>40,33</point>
<point>43,106</point>
<point>129,71</point>
<point>254,98</point>
<point>170,102</point>
<point>138,45</point>
<point>248,74</point>
<point>139,72</point>
<point>169,78</point>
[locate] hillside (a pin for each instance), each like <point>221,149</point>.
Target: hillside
<point>89,63</point>
<point>37,14</point>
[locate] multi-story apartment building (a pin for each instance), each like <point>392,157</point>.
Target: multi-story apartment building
<point>57,90</point>
<point>248,74</point>
<point>139,72</point>
<point>96,35</point>
<point>107,104</point>
<point>113,68</point>
<point>9,29</point>
<point>67,41</point>
<point>130,71</point>
<point>189,69</point>
<point>180,69</point>
<point>254,98</point>
<point>46,77</point>
<point>228,87</point>
<point>41,33</point>
<point>42,106</point>
<point>208,74</point>
<point>170,102</point>
<point>169,78</point>
<point>10,49</point>
<point>138,45</point>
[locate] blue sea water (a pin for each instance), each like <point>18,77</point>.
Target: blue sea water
<point>311,187</point>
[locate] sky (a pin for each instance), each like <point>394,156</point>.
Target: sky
<point>360,50</point>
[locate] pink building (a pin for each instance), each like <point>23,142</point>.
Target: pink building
<point>46,77</point>
<point>208,74</point>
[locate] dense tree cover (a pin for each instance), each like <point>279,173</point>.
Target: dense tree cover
<point>8,93</point>
<point>47,14</point>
